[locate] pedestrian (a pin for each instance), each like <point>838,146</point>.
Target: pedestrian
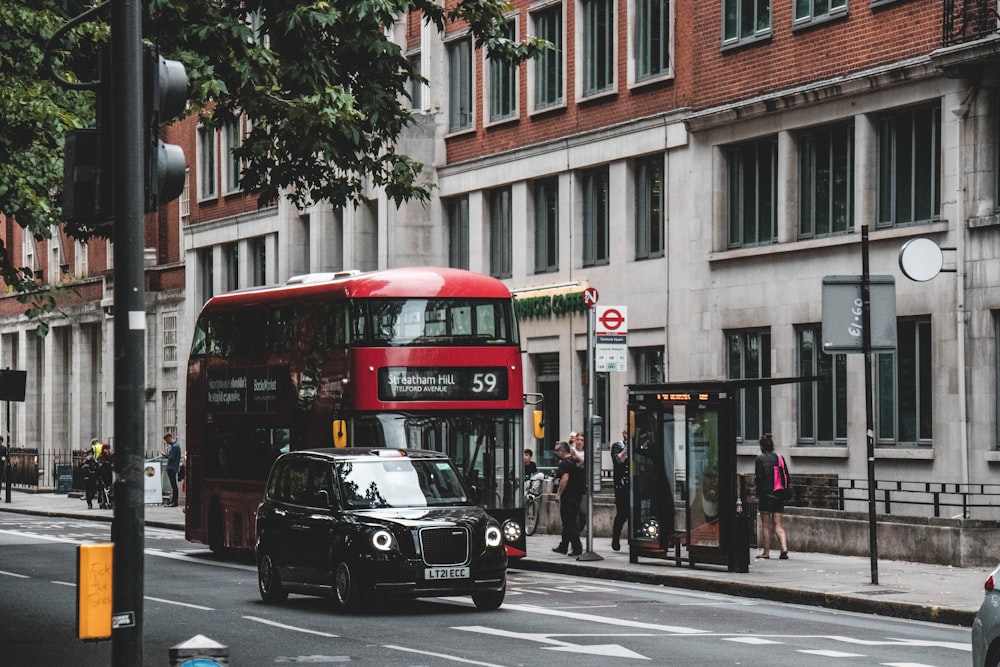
<point>579,447</point>
<point>620,474</point>
<point>530,467</point>
<point>105,463</point>
<point>771,504</point>
<point>89,473</point>
<point>568,495</point>
<point>173,456</point>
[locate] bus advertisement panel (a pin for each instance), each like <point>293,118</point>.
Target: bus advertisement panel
<point>414,358</point>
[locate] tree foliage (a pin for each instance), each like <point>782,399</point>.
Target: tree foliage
<point>320,81</point>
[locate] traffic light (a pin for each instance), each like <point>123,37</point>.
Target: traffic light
<point>165,85</point>
<point>87,159</point>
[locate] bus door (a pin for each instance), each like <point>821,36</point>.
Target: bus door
<point>683,452</point>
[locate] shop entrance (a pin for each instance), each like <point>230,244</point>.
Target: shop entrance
<point>683,450</point>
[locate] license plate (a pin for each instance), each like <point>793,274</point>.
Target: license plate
<point>446,573</point>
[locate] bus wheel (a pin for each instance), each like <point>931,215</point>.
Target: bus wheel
<point>268,580</point>
<point>488,600</point>
<point>346,591</point>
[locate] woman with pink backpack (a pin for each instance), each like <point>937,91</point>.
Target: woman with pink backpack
<point>772,489</point>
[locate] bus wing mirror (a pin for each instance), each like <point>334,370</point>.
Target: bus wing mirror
<point>539,424</point>
<point>339,433</point>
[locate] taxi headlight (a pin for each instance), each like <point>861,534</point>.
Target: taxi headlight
<point>512,530</point>
<point>383,540</point>
<point>493,537</point>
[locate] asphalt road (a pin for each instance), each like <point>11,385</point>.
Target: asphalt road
<point>547,619</point>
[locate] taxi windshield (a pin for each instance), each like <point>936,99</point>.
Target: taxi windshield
<point>401,482</point>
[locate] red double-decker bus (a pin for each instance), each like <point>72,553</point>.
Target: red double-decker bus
<point>419,357</point>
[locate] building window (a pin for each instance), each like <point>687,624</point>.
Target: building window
<point>598,46</point>
<point>909,166</point>
<point>546,225</point>
<point>823,402</point>
<point>232,135</point>
<point>548,65</point>
<point>258,246</point>
<point>416,88</point>
<point>170,338</point>
<point>207,186</point>
<point>595,216</point>
<point>503,85</point>
<point>749,357</point>
<point>460,85</point>
<point>169,411</point>
<point>648,363</point>
<point>826,181</point>
<point>501,233</point>
<point>652,38</point>
<point>903,386</point>
<point>231,258</point>
<point>184,203</point>
<point>649,207</point>
<point>206,274</point>
<point>815,10</point>
<point>745,20</point>
<point>458,232</point>
<point>753,193</point>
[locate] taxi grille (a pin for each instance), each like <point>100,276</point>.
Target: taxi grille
<point>444,546</point>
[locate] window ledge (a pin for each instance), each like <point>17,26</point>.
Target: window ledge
<point>984,221</point>
<point>667,76</point>
<point>993,457</point>
<point>819,452</point>
<point>912,453</point>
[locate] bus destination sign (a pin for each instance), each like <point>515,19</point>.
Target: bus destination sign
<point>404,383</point>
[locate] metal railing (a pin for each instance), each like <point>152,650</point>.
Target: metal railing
<point>937,499</point>
<point>30,469</point>
<point>969,20</point>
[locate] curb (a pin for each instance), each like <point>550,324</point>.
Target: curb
<point>914,612</point>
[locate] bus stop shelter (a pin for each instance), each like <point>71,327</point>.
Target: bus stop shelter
<point>683,476</point>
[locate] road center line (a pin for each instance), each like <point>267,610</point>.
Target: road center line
<point>453,658</point>
<point>179,604</point>
<point>14,574</point>
<point>289,627</point>
<point>562,613</point>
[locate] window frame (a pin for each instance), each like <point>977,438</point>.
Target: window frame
<point>502,76</point>
<point>758,33</point>
<point>208,160</point>
<point>815,144</point>
<point>597,216</point>
<point>650,208</point>
<point>828,393</point>
<point>890,377</point>
<point>737,346</point>
<point>644,43</point>
<point>232,166</point>
<point>460,85</point>
<point>548,68</point>
<point>598,51</point>
<point>737,204</point>
<point>812,17</point>
<point>458,232</point>
<point>546,208</point>
<point>501,233</point>
<point>891,160</point>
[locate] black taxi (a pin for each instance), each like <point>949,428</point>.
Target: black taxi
<point>356,522</point>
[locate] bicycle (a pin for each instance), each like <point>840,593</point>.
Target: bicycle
<point>532,494</point>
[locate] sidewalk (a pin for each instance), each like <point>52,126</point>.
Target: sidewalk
<point>907,590</point>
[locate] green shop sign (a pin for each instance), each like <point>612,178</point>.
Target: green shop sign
<point>553,305</point>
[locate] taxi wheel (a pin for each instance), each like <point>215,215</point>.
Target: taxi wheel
<point>346,592</point>
<point>268,581</point>
<point>489,599</point>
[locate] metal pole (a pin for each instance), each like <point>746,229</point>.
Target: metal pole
<point>866,338</point>
<point>127,531</point>
<point>589,449</point>
<point>6,463</point>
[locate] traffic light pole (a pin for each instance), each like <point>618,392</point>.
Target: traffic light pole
<point>127,527</point>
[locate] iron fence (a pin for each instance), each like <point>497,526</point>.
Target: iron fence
<point>30,469</point>
<point>969,20</point>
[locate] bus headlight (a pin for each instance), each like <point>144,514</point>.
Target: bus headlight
<point>383,540</point>
<point>493,537</point>
<point>511,530</point>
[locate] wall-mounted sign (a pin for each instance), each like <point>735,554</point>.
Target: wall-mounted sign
<point>843,332</point>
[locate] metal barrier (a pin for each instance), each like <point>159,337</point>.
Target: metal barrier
<point>947,499</point>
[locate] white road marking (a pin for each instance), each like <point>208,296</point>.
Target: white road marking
<point>453,658</point>
<point>71,584</point>
<point>283,626</point>
<point>749,640</point>
<point>831,654</point>
<point>673,629</point>
<point>14,574</point>
<point>179,604</point>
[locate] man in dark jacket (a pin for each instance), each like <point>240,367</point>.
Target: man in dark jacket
<point>620,474</point>
<point>173,455</point>
<point>569,494</point>
<point>89,473</point>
